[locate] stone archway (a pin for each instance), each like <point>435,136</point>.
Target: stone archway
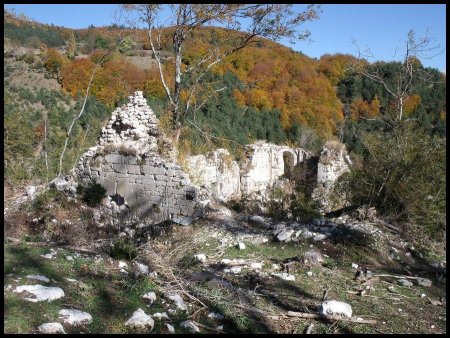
<point>288,164</point>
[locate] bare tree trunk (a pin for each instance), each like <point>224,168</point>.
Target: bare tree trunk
<point>45,147</point>
<point>99,63</point>
<point>76,118</point>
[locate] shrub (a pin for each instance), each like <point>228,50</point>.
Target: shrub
<point>123,249</point>
<point>92,194</point>
<point>403,176</point>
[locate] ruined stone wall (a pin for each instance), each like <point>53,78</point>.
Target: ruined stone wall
<point>265,164</point>
<point>225,179</point>
<point>129,164</point>
<point>333,163</point>
<point>217,173</point>
<point>135,163</point>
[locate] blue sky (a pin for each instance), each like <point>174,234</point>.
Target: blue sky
<point>383,28</point>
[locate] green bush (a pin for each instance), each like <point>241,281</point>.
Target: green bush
<point>92,194</point>
<point>123,249</point>
<point>403,175</point>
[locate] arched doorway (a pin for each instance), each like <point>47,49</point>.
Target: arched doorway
<point>288,161</point>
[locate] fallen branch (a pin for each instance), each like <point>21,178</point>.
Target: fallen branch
<point>83,250</point>
<point>328,317</point>
<point>399,277</point>
<point>207,327</point>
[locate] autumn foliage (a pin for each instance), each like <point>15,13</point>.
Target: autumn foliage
<point>114,79</point>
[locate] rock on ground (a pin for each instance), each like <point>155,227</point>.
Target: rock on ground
<point>140,320</point>
<point>74,317</point>
<point>41,292</point>
<point>161,315</point>
<point>285,235</point>
<point>215,315</point>
<point>404,282</point>
<point>423,282</point>
<point>259,221</point>
<point>150,296</point>
<point>313,257</point>
<point>141,269</point>
<point>335,307</point>
<point>51,328</point>
<point>284,276</point>
<point>178,301</point>
<point>190,325</point>
<point>170,328</point>
<point>200,257</point>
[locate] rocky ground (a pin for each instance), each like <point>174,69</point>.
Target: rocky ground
<point>229,273</point>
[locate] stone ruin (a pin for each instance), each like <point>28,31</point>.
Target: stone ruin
<point>333,162</point>
<point>263,165</point>
<point>136,164</point>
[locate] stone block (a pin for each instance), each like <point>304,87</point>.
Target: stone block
<point>134,169</point>
<point>115,158</point>
<point>120,168</point>
<point>130,159</point>
<point>162,178</point>
<point>109,184</point>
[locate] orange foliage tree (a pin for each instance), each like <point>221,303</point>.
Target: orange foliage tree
<point>115,80</point>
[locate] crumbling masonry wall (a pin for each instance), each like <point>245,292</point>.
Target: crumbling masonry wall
<point>263,165</point>
<point>129,164</point>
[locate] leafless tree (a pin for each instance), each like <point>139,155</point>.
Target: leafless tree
<point>401,87</point>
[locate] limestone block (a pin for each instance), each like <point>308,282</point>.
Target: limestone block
<point>134,169</point>
<point>161,178</point>
<point>122,188</point>
<point>109,184</point>
<point>120,168</point>
<point>130,159</point>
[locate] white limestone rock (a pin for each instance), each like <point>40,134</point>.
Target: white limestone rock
<point>256,265</point>
<point>31,191</point>
<point>284,276</point>
<point>161,315</point>
<point>74,317</point>
<point>170,328</point>
<point>200,257</point>
<point>150,297</point>
<point>51,328</point>
<point>259,221</point>
<point>178,301</point>
<point>40,293</point>
<point>313,257</point>
<point>285,235</point>
<point>233,269</point>
<point>335,308</point>
<point>241,246</point>
<point>215,315</point>
<point>190,325</point>
<point>141,269</point>
<point>140,320</point>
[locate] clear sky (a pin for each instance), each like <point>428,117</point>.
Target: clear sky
<point>383,28</point>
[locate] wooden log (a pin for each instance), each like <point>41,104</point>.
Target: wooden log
<point>329,317</point>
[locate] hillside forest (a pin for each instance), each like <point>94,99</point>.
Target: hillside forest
<point>265,91</point>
